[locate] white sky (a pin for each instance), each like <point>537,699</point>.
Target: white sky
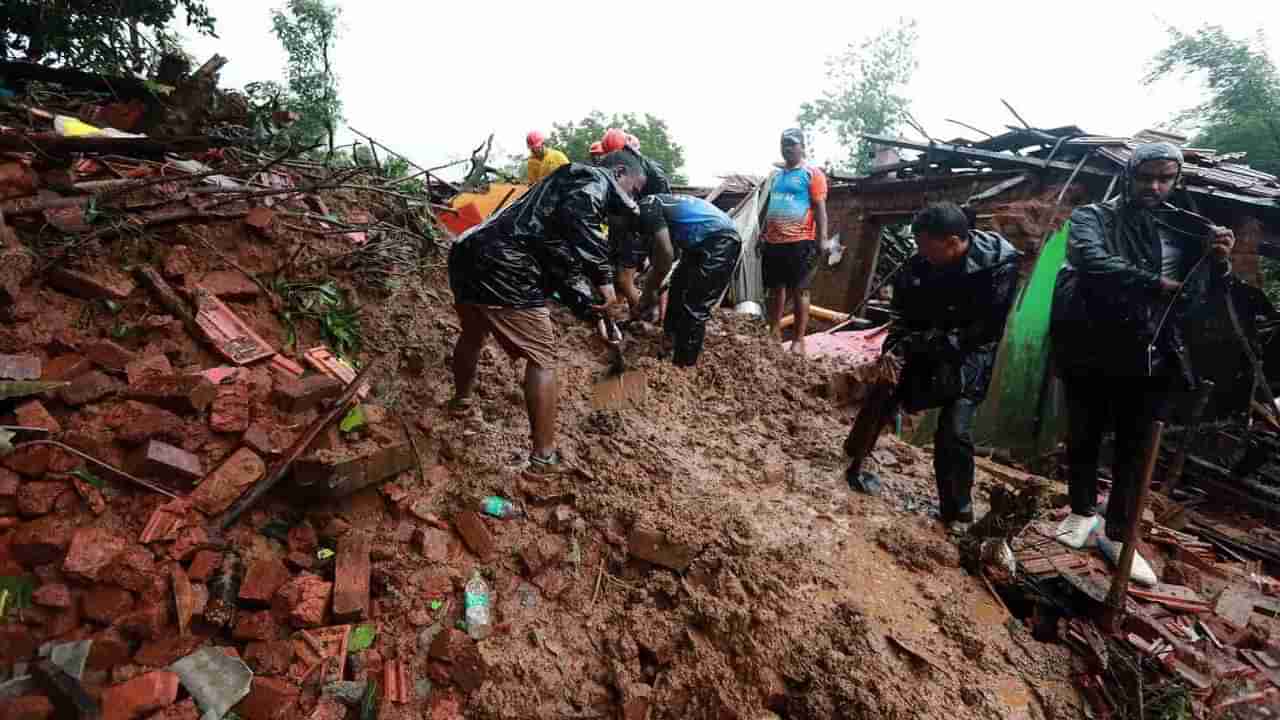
<point>432,79</point>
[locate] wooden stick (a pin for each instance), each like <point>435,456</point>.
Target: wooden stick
<point>1118,597</point>
<point>255,493</point>
<point>1174,474</point>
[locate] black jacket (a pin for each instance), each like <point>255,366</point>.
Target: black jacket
<point>1107,303</point>
<point>549,240</point>
<point>948,322</point>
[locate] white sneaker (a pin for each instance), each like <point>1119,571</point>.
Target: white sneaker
<point>1141,572</point>
<point>1075,530</point>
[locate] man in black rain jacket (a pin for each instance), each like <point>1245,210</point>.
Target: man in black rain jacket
<point>1134,267</point>
<point>547,242</point>
<point>950,304</point>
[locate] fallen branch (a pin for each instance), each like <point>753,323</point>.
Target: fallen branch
<point>255,493</point>
<point>176,306</point>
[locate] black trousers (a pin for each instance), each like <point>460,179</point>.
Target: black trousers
<point>1096,403</point>
<point>953,460</point>
<point>699,281</point>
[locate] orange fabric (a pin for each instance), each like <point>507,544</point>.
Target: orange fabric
<point>789,217</point>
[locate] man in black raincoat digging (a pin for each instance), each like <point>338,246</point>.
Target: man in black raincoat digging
<point>949,308</point>
<point>1135,266</point>
<point>502,272</point>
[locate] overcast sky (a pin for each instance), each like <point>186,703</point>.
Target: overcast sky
<point>432,79</point>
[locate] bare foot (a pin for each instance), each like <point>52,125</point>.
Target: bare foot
<point>797,347</point>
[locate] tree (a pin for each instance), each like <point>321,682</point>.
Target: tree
<point>1242,108</point>
<point>574,139</point>
<point>864,95</point>
<point>108,37</point>
<point>308,29</point>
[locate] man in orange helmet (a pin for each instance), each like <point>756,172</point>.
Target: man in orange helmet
<point>542,160</point>
<point>621,235</point>
<point>597,152</point>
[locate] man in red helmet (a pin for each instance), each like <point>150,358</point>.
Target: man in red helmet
<point>542,160</point>
<point>622,235</point>
<point>597,152</point>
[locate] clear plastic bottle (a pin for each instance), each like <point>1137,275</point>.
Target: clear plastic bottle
<point>478,601</point>
<point>500,508</point>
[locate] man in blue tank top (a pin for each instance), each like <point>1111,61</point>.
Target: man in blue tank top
<point>709,250</point>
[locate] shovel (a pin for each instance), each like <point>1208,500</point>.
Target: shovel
<point>620,387</point>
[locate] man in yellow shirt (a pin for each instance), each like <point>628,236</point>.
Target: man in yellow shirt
<point>542,160</point>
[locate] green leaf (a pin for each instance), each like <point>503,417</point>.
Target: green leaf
<point>354,419</point>
<point>324,554</point>
<point>18,589</point>
<point>369,703</point>
<point>361,638</point>
<point>437,604</point>
<point>112,306</point>
<point>85,475</point>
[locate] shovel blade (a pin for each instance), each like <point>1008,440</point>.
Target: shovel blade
<point>619,391</point>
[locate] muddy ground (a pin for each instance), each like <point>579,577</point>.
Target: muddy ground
<point>803,598</point>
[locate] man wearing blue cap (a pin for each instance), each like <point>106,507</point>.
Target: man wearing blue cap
<point>1134,264</point>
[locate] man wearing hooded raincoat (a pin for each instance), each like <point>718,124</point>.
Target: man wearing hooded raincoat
<point>503,270</point>
<point>1134,266</point>
<point>950,302</point>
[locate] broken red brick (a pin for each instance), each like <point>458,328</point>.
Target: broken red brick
<point>140,696</point>
<point>286,367</point>
<point>149,622</point>
<point>230,411</point>
<point>436,585</point>
<point>136,423</point>
<point>185,394</point>
<point>295,396</point>
<point>29,461</point>
<point>16,180</point>
<point>17,643</point>
<point>259,219</point>
<point>43,540</point>
<point>653,546</point>
<point>299,561</point>
<point>55,595</point>
<point>302,538</point>
<point>228,481</point>
<point>269,658</point>
<point>256,626</point>
<point>66,367</point>
<point>109,355</point>
<point>104,603</point>
<point>110,649</point>
<point>184,599</point>
<point>38,498</point>
<point>147,366</point>
<point>230,285</point>
<point>178,262</point>
<point>89,387</point>
<point>133,569</point>
<point>262,580</point>
<point>91,551</point>
<point>203,565</point>
<point>351,578</point>
<point>91,496</point>
<point>395,682</point>
<point>303,600</point>
<point>26,707</point>
<point>19,367</point>
<point>8,483</point>
<point>269,699</point>
<point>475,534</point>
<point>258,439</point>
<point>190,539</point>
<point>32,413</point>
<point>166,522</point>
<point>163,461</point>
<point>167,650</point>
<point>104,283</point>
<point>433,543</point>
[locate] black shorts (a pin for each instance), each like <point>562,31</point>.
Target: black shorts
<point>788,265</point>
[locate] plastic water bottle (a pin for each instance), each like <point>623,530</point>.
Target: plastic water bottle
<point>500,508</point>
<point>477,602</point>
